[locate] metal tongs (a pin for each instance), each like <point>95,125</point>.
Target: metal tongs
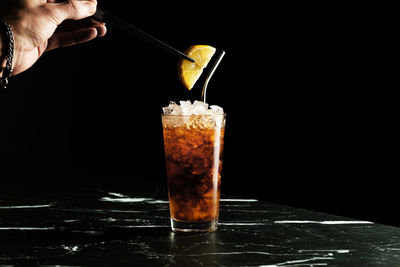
<point>105,16</point>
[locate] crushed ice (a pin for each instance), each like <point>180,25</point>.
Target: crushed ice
<point>195,115</point>
<point>187,108</point>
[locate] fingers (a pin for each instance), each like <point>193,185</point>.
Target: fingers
<point>101,30</point>
<point>63,39</point>
<point>72,9</point>
<point>77,28</point>
<point>70,25</point>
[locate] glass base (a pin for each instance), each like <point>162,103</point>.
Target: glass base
<point>194,227</point>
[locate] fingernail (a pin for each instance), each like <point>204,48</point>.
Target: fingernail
<point>91,9</point>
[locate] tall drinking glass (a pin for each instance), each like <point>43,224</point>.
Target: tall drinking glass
<point>193,152</point>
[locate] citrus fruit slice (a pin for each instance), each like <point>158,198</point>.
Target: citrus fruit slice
<point>189,72</point>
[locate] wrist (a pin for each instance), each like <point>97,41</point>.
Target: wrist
<point>3,54</point>
<point>7,37</point>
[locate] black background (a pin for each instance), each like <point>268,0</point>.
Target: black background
<point>302,120</point>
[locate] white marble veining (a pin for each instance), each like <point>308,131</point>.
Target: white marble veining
<point>72,220</point>
<point>70,249</point>
<point>99,211</point>
<point>297,262</point>
<point>324,222</point>
<point>240,223</point>
<point>87,232</point>
<point>125,199</point>
<point>237,200</point>
<point>340,251</point>
<point>26,207</point>
<point>143,226</point>
<point>116,194</point>
<point>28,228</point>
<point>235,253</point>
<point>158,201</point>
<point>137,220</point>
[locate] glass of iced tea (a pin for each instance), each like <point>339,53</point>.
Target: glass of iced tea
<point>193,143</point>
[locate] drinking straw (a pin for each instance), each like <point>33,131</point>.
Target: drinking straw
<point>210,74</point>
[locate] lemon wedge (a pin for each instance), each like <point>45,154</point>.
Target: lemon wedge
<point>190,72</point>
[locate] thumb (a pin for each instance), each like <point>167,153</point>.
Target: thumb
<point>73,9</point>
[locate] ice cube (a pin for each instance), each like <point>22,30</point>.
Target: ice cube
<point>172,108</point>
<point>217,109</point>
<point>177,110</point>
<point>166,110</point>
<point>187,108</point>
<point>199,107</point>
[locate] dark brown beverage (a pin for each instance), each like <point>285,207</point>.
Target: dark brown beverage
<point>193,151</point>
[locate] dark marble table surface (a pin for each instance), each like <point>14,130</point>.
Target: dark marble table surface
<point>97,227</point>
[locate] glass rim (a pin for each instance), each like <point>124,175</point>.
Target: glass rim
<point>193,115</point>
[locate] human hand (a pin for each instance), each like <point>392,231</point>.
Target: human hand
<point>42,25</point>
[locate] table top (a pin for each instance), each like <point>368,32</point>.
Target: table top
<point>100,227</point>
